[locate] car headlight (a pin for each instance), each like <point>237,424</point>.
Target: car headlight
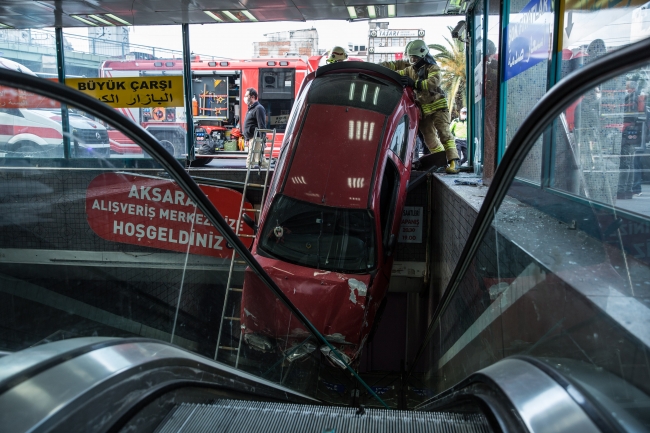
<point>299,351</point>
<point>335,359</point>
<point>258,342</point>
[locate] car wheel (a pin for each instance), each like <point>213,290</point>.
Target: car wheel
<point>27,148</point>
<point>168,146</point>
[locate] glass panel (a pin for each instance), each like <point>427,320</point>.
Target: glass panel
<point>601,144</point>
<point>143,82</point>
<point>563,279</point>
<point>125,252</point>
<point>30,127</point>
<point>528,37</point>
<point>476,70</point>
<point>491,91</point>
<point>595,28</point>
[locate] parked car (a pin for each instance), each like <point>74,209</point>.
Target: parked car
<point>37,132</point>
<point>329,226</point>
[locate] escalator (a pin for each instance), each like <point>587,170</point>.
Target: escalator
<point>525,338</point>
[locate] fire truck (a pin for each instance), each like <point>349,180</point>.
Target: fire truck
<point>218,87</point>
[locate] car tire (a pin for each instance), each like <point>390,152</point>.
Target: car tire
<point>27,147</point>
<point>168,146</point>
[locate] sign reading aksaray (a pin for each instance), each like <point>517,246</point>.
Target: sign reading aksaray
<point>154,212</point>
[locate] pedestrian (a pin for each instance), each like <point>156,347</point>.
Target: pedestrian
<point>255,119</point>
<point>459,131</point>
<point>423,75</point>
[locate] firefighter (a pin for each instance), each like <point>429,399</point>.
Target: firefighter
<point>337,54</point>
<point>458,129</point>
<point>422,73</point>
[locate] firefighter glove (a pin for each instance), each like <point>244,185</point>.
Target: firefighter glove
<point>453,166</point>
<point>407,81</point>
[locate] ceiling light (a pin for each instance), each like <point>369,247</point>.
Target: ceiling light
<point>249,15</point>
<point>371,12</point>
<point>83,20</point>
<point>118,19</point>
<point>5,26</point>
<point>231,16</point>
<point>391,11</point>
<point>352,12</point>
<point>213,16</point>
<point>101,20</point>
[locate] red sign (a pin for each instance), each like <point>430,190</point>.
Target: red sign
<point>154,212</point>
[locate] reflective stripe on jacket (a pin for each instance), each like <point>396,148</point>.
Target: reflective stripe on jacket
<point>426,89</point>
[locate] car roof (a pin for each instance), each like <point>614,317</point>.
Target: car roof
<point>335,156</point>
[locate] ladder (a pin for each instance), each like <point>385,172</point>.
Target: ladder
<point>230,317</point>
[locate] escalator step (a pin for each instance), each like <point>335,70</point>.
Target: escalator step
<point>253,417</point>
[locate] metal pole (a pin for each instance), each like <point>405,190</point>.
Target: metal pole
<point>187,79</point>
<point>469,83</point>
<point>60,66</point>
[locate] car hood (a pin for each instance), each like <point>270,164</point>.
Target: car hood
<point>78,122</point>
<point>335,303</point>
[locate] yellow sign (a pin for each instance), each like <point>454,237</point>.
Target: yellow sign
<point>596,5</point>
<point>123,92</point>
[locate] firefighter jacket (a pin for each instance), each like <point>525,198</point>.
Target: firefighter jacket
<point>428,94</point>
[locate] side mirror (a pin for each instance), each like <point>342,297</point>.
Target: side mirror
<point>249,222</point>
<point>390,245</point>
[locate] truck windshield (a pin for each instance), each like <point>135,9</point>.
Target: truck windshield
<point>319,237</point>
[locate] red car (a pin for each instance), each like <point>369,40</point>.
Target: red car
<point>331,219</point>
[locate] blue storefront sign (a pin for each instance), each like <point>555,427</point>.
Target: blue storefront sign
<point>528,37</point>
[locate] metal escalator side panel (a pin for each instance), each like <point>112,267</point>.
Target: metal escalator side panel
<point>48,398</point>
<point>543,405</point>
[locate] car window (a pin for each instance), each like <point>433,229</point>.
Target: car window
<point>319,237</point>
<point>400,137</point>
<point>12,111</point>
<point>388,198</point>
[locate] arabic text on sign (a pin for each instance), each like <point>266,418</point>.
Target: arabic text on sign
<point>124,92</point>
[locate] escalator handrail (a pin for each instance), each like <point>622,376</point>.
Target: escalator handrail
<point>508,392</point>
<point>545,111</point>
<point>150,144</point>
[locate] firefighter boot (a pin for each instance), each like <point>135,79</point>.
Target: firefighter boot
<point>453,166</point>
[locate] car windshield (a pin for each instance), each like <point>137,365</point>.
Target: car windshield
<point>320,237</point>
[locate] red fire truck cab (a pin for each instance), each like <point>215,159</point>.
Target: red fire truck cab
<point>218,87</point>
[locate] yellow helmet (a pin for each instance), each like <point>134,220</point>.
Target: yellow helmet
<point>416,48</point>
<point>337,54</point>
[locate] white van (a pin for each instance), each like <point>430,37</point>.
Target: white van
<point>37,132</point>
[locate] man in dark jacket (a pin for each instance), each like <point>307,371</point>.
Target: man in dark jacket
<point>255,119</point>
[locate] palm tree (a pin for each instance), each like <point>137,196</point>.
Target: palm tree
<point>452,63</point>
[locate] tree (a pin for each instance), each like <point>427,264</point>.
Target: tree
<point>452,63</point>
